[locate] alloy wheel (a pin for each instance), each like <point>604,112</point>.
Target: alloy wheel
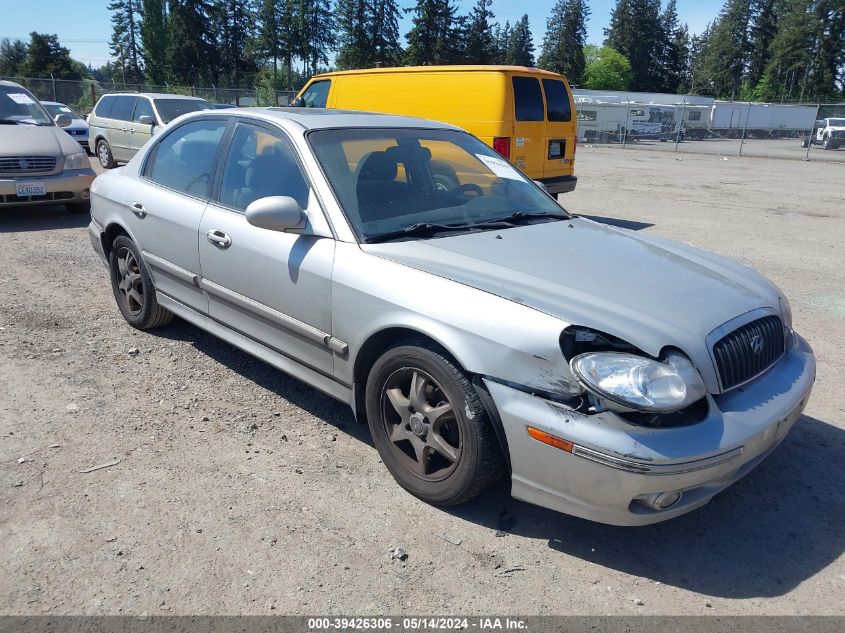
<point>421,424</point>
<point>129,281</point>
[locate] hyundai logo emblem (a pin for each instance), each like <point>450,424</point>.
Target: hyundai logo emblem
<point>23,163</point>
<point>756,343</point>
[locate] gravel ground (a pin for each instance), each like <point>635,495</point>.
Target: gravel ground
<point>240,490</point>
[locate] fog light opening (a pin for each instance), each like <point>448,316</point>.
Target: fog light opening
<point>664,500</point>
<point>86,193</point>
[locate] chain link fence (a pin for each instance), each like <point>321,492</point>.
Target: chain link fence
<point>82,95</point>
<point>727,128</point>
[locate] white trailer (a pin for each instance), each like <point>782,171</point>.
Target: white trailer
<point>615,122</point>
<point>761,120</point>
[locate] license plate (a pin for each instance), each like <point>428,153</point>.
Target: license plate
<point>27,189</point>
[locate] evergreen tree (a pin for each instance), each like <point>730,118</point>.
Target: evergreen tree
<point>385,46</point>
<point>673,49</point>
<point>316,35</point>
<point>434,35</point>
<point>502,35</point>
<point>125,43</point>
<point>153,31</point>
<point>521,44</point>
<point>682,48</point>
<point>635,32</point>
<point>268,43</point>
<point>234,21</point>
<point>12,57</point>
<point>763,29</point>
<point>566,36</point>
<point>45,56</point>
<point>354,24</point>
<point>697,82</point>
<point>191,53</point>
<point>481,45</point>
<point>728,50</point>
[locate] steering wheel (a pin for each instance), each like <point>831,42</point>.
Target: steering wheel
<point>463,189</point>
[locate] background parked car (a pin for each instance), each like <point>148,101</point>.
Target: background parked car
<point>121,123</point>
<point>78,128</point>
<point>39,163</point>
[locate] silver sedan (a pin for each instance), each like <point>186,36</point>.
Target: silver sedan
<point>481,331</point>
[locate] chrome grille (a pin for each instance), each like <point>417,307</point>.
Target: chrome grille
<point>26,164</point>
<point>748,351</point>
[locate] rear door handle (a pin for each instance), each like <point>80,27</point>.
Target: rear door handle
<point>218,238</point>
<point>139,210</point>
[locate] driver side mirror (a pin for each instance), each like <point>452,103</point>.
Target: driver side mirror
<point>541,185</point>
<point>63,120</point>
<point>146,119</point>
<point>275,213</point>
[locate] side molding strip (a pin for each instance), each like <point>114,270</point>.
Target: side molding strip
<point>171,269</point>
<point>288,322</point>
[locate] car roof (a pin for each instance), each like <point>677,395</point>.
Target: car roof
<point>152,95</point>
<point>3,82</point>
<point>329,118</point>
<point>440,69</point>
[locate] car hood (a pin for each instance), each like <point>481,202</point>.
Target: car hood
<point>650,291</point>
<point>35,140</point>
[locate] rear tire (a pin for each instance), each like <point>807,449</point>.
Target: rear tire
<point>437,441</point>
<point>104,155</point>
<point>133,287</point>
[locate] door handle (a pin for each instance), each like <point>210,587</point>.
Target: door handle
<point>139,210</point>
<point>218,238</point>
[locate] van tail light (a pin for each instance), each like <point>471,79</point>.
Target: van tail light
<point>502,144</point>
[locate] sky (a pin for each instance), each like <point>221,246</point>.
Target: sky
<point>84,27</point>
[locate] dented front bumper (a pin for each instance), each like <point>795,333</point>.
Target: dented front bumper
<point>615,470</point>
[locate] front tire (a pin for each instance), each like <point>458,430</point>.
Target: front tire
<point>104,155</point>
<point>429,426</point>
<point>133,287</point>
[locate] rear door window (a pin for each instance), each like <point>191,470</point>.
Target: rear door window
<point>123,107</point>
<point>184,159</point>
<point>557,100</point>
<point>528,99</point>
<point>317,95</point>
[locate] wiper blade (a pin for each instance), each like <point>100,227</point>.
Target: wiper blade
<point>418,229</point>
<point>519,216</point>
<point>8,122</point>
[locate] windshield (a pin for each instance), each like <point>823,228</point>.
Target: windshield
<point>836,122</point>
<point>395,180</point>
<point>59,108</point>
<point>169,109</point>
<point>17,105</point>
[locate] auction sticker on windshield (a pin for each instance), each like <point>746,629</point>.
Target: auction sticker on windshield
<point>19,97</point>
<point>499,166</point>
<point>27,189</point>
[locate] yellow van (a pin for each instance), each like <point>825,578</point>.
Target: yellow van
<point>525,114</point>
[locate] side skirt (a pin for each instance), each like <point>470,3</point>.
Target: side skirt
<point>254,348</point>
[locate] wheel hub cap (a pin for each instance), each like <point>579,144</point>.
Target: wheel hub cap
<point>418,424</point>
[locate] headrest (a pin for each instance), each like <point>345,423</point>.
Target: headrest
<point>378,166</point>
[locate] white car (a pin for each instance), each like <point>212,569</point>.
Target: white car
<point>78,128</point>
<point>830,133</point>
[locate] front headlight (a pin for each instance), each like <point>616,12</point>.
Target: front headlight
<point>640,383</point>
<point>77,161</point>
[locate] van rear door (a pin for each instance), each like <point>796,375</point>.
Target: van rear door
<point>527,149</point>
<point>559,146</point>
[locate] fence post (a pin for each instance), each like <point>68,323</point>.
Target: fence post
<point>744,127</point>
<point>93,95</point>
<point>53,81</point>
<point>680,125</point>
<point>625,131</point>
